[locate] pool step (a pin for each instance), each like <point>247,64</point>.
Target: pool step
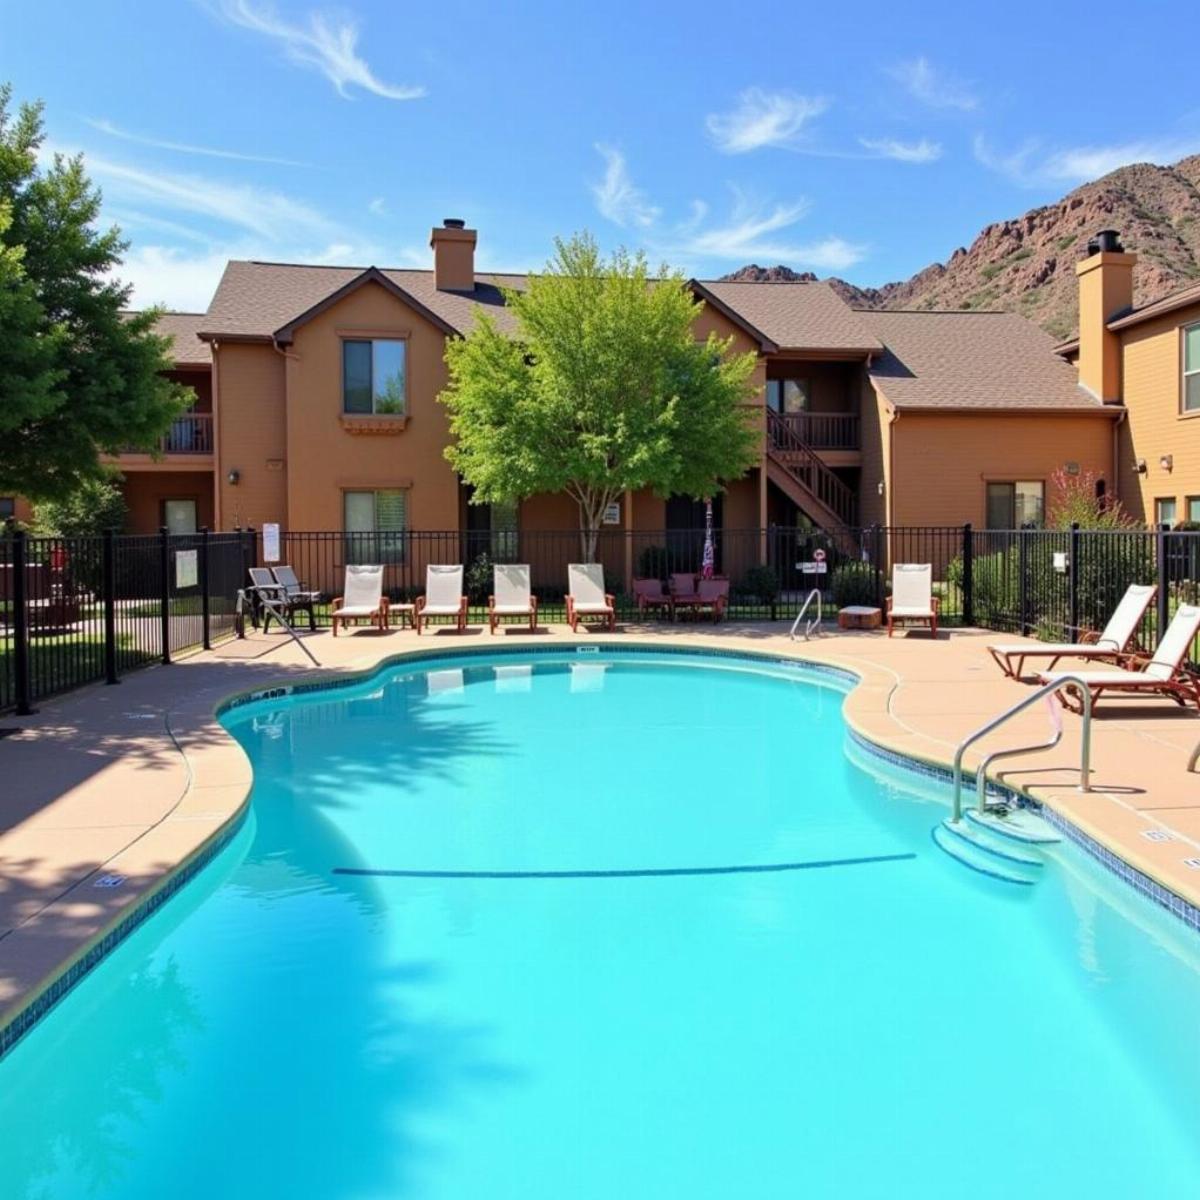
<point>974,850</point>
<point>1018,825</point>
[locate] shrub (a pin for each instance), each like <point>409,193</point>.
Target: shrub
<point>96,505</point>
<point>854,583</point>
<point>653,563</point>
<point>762,583</point>
<point>478,579</point>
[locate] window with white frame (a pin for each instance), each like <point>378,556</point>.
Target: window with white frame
<point>1166,512</point>
<point>374,376</point>
<point>1015,505</point>
<point>1191,368</point>
<point>375,525</point>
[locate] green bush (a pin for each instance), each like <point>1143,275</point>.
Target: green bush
<point>478,579</point>
<point>854,583</point>
<point>96,505</point>
<point>762,583</point>
<point>653,563</point>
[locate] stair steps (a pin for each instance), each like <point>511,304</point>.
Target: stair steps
<point>1019,825</point>
<point>989,852</point>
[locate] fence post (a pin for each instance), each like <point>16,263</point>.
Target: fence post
<point>164,594</point>
<point>205,615</point>
<point>1073,582</point>
<point>1164,580</point>
<point>109,562</point>
<point>877,555</point>
<point>20,625</point>
<point>1022,581</point>
<point>968,575</point>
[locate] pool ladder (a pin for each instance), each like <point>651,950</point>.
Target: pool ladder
<point>1004,843</point>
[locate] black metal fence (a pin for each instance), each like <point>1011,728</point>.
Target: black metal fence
<point>79,610</point>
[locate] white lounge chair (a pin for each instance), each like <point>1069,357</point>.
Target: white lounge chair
<point>912,597</point>
<point>1109,645</point>
<point>363,599</point>
<point>1164,674</point>
<point>586,596</point>
<point>512,595</point>
<point>443,597</point>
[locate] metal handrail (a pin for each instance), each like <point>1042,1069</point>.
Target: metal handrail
<point>1046,690</point>
<point>815,623</point>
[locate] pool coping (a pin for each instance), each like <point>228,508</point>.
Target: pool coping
<point>231,797</point>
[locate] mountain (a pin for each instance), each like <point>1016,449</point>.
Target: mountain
<point>1027,265</point>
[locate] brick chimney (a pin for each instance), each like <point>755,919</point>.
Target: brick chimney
<point>1105,293</point>
<point>453,256</point>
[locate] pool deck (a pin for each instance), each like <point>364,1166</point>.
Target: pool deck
<point>108,793</point>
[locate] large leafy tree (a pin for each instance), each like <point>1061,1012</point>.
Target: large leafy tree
<point>603,388</point>
<point>79,376</point>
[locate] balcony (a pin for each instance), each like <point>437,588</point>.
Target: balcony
<point>190,437</point>
<point>818,431</point>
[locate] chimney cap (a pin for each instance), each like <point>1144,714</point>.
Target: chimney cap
<point>454,223</point>
<point>1105,240</point>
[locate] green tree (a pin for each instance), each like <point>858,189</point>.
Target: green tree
<point>95,505</point>
<point>603,389</point>
<point>79,376</point>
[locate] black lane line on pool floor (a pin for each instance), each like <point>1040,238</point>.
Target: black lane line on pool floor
<point>633,873</point>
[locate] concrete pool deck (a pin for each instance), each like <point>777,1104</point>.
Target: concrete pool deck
<point>109,793</point>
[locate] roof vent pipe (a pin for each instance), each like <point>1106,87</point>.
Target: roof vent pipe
<point>1106,241</point>
<point>457,223</point>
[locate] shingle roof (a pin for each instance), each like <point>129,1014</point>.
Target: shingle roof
<point>972,361</point>
<point>187,349</point>
<point>1168,304</point>
<point>798,316</point>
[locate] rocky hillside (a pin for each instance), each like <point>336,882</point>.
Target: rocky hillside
<point>1027,265</point>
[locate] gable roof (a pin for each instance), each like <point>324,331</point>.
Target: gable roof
<point>972,361</point>
<point>186,348</point>
<point>1185,298</point>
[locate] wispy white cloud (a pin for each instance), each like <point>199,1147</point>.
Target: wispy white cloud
<point>105,126</point>
<point>179,279</point>
<point>328,44</point>
<point>377,206</point>
<point>1033,164</point>
<point>923,151</point>
<point>616,196</point>
<point>936,88</point>
<point>763,118</point>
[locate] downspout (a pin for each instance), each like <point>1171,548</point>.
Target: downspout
<point>1116,453</point>
<point>287,356</point>
<point>889,486</point>
<point>216,433</point>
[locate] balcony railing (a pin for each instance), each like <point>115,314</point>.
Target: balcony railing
<point>821,431</point>
<point>191,433</point>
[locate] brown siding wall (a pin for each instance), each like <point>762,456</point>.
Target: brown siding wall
<point>145,492</point>
<point>1152,376</point>
<point>876,429</point>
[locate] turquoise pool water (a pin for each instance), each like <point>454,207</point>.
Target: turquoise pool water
<point>501,930</point>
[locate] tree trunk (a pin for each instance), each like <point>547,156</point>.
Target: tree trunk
<point>591,513</point>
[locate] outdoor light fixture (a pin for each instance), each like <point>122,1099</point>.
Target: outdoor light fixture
<point>1167,462</point>
<point>234,477</point>
<point>879,487</point>
<point>1139,465</point>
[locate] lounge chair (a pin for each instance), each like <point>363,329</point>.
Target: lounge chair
<point>363,599</point>
<point>683,592</point>
<point>1109,645</point>
<point>651,597</point>
<point>713,594</point>
<point>297,597</point>
<point>912,597</point>
<point>586,596</point>
<point>512,595</point>
<point>443,597</point>
<point>1163,674</point>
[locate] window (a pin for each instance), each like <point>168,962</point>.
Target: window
<point>787,395</point>
<point>375,525</point>
<point>179,516</point>
<point>1012,505</point>
<point>373,377</point>
<point>1193,510</point>
<point>1165,511</point>
<point>8,508</point>
<point>1191,368</point>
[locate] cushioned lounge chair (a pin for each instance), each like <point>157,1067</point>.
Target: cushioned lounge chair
<point>1164,674</point>
<point>586,596</point>
<point>443,598</point>
<point>512,595</point>
<point>1109,645</point>
<point>713,595</point>
<point>363,598</point>
<point>651,597</point>
<point>912,598</point>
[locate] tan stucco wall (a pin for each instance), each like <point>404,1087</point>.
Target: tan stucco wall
<point>145,492</point>
<point>252,434</point>
<point>1152,374</point>
<point>942,461</point>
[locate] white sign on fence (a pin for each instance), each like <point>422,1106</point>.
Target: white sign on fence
<point>270,542</point>
<point>812,568</point>
<point>187,568</point>
<point>612,514</point>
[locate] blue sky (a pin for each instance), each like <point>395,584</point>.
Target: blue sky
<point>857,139</point>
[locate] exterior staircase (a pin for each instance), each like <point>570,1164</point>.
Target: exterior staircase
<point>798,471</point>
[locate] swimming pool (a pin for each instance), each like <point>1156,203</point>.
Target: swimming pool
<point>566,925</point>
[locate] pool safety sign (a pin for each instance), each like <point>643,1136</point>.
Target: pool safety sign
<point>818,566</point>
<point>270,542</point>
<point>187,569</point>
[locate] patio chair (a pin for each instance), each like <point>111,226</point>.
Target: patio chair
<point>912,598</point>
<point>443,597</point>
<point>265,596</point>
<point>1163,674</point>
<point>683,592</point>
<point>651,597</point>
<point>297,597</point>
<point>713,595</point>
<point>512,595</point>
<point>1109,645</point>
<point>586,596</point>
<point>363,598</point>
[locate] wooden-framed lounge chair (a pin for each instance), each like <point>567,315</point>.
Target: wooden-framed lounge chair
<point>444,597</point>
<point>297,597</point>
<point>1161,675</point>
<point>684,596</point>
<point>586,596</point>
<point>651,597</point>
<point>1111,644</point>
<point>912,597</point>
<point>512,595</point>
<point>713,595</point>
<point>362,598</point>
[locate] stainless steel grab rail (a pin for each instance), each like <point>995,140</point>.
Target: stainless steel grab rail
<point>1046,690</point>
<point>815,623</point>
